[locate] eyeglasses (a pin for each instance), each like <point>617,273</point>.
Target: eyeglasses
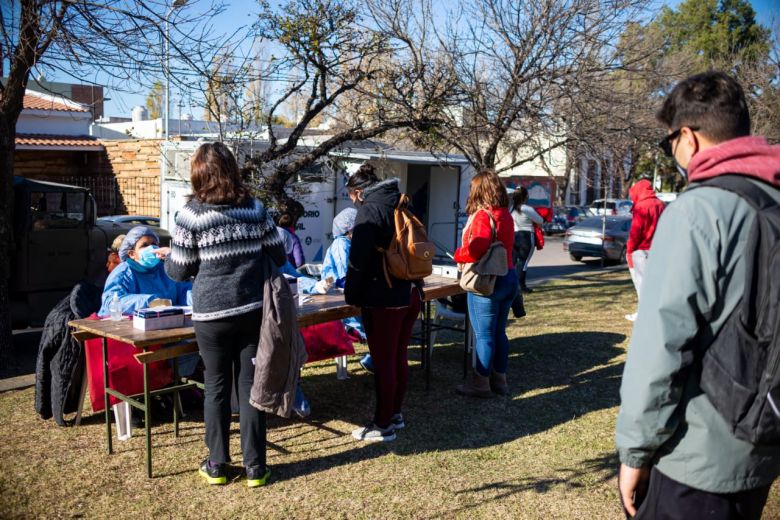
<point>666,142</point>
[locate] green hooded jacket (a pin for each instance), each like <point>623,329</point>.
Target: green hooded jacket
<point>695,278</point>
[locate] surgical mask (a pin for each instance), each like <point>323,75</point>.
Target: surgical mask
<point>147,258</point>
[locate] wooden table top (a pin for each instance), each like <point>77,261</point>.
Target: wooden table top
<point>320,308</point>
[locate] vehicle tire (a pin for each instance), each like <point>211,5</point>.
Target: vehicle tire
<point>622,259</point>
<point>575,258</point>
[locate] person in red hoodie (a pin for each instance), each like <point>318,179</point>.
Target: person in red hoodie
<point>646,211</point>
<point>488,201</point>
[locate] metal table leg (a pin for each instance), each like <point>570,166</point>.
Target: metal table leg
<point>466,341</point>
<point>107,406</point>
<point>148,421</point>
<point>176,398</point>
<point>428,346</point>
<point>82,392</point>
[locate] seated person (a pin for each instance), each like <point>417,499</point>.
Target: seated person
<point>113,253</point>
<point>287,221</point>
<point>335,266</point>
<point>140,278</point>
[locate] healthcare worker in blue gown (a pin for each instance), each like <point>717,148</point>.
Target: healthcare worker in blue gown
<point>140,279</point>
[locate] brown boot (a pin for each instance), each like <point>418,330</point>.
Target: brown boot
<point>498,383</point>
<point>478,386</point>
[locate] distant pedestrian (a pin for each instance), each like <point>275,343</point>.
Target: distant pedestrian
<point>388,310</point>
<point>488,201</point>
<point>680,459</point>
<point>646,211</point>
<point>524,217</point>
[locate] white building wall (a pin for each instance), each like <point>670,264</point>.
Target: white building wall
<point>54,122</point>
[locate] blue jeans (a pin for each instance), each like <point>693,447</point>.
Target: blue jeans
<point>488,315</point>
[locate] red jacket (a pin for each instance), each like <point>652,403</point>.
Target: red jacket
<point>646,210</point>
<point>477,236</point>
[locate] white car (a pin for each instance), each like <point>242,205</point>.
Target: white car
<point>612,206</point>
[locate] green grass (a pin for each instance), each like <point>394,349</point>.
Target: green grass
<point>545,452</point>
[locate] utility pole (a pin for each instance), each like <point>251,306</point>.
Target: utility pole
<point>167,68</point>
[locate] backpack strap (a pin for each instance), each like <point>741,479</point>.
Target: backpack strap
<point>740,185</point>
<point>403,202</point>
<point>493,233</point>
<point>759,200</point>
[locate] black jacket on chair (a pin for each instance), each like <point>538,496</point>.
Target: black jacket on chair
<point>365,285</point>
<point>61,361</point>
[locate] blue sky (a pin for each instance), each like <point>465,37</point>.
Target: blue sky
<point>239,12</point>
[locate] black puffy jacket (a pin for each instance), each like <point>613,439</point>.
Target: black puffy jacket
<point>61,362</point>
<point>365,285</point>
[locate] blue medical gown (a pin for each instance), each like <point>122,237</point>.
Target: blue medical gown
<point>136,289</point>
<point>335,265</point>
<point>336,261</point>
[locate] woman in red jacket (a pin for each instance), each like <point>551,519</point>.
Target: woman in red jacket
<point>488,201</point>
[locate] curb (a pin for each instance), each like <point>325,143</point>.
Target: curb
<point>17,383</point>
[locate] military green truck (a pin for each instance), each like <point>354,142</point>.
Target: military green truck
<point>58,242</point>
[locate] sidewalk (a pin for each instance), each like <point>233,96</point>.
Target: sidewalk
<point>18,368</point>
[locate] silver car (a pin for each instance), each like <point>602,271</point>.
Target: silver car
<point>601,237</point>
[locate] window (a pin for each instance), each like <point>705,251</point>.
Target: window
<point>56,210</point>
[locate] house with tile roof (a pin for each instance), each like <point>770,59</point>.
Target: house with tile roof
<point>54,123</point>
<point>53,140</point>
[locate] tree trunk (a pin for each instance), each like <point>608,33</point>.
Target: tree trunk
<point>7,135</point>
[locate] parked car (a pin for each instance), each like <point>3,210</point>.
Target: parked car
<point>120,224</point>
<point>613,207</point>
<point>135,220</point>
<point>575,214</point>
<point>558,224</point>
<point>586,238</point>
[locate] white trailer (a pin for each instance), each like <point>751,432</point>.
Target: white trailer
<point>437,184</point>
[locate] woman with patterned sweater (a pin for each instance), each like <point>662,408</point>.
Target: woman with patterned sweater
<point>222,236</point>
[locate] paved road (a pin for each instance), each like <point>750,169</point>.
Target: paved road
<point>552,262</point>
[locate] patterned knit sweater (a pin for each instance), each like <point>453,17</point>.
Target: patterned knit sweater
<point>222,247</point>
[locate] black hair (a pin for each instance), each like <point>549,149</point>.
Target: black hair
<point>363,178</point>
<point>519,197</point>
<point>712,102</point>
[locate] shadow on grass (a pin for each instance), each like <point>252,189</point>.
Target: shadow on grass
<point>591,282</point>
<point>554,378</point>
<point>605,467</point>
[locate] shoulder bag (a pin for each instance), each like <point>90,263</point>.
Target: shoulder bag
<point>480,277</point>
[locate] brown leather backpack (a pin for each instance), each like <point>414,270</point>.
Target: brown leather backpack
<point>410,254</point>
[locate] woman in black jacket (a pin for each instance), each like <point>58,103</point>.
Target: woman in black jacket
<point>388,310</point>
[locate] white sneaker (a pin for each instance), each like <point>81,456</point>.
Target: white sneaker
<point>630,317</point>
<point>373,433</point>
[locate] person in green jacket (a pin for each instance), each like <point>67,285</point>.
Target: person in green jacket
<point>678,457</point>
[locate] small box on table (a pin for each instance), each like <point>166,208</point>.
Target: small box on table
<point>158,318</point>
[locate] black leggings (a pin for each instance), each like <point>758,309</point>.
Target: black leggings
<point>227,348</point>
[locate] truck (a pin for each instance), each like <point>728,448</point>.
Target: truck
<point>437,184</point>
<point>57,243</point>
